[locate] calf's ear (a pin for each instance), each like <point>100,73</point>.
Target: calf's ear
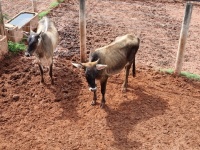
<point>100,66</point>
<point>77,65</point>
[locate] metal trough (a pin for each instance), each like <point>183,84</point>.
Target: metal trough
<point>24,21</point>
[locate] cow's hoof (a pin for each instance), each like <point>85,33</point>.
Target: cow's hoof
<point>102,105</point>
<point>93,103</point>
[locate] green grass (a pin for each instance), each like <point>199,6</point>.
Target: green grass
<point>43,13</point>
<point>52,5</point>
<point>190,75</point>
<point>16,47</point>
<point>169,71</point>
<point>183,73</point>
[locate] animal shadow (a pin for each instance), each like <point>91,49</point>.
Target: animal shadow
<point>122,120</point>
<point>66,88</point>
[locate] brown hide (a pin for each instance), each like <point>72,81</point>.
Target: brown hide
<point>109,60</point>
<point>117,54</point>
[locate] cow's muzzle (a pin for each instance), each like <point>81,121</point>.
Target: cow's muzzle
<point>93,89</point>
<point>27,54</point>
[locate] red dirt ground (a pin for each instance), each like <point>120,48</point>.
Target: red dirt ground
<point>159,111</point>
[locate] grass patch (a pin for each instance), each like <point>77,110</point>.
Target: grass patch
<point>60,1</point>
<point>43,13</point>
<point>183,73</point>
<point>190,75</point>
<point>52,5</point>
<point>16,47</point>
<point>169,71</point>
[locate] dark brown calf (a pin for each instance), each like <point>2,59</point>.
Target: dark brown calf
<point>110,60</point>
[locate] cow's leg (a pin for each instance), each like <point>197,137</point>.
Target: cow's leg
<point>103,82</point>
<point>94,99</point>
<point>125,84</point>
<point>41,73</point>
<point>50,73</point>
<point>133,68</point>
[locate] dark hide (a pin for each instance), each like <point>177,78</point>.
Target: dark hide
<point>110,60</point>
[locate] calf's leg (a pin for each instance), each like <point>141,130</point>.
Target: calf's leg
<point>94,99</point>
<point>103,82</point>
<point>41,73</point>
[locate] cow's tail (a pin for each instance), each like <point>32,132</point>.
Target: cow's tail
<point>136,47</point>
<point>139,32</point>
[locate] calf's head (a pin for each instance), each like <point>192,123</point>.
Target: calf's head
<point>33,42</point>
<point>91,72</point>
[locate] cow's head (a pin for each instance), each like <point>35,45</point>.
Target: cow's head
<point>91,72</point>
<point>33,42</point>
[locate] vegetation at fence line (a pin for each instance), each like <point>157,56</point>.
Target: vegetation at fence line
<point>43,13</point>
<point>169,71</point>
<point>60,1</point>
<point>190,75</point>
<point>183,73</point>
<point>52,5</point>
<point>16,47</point>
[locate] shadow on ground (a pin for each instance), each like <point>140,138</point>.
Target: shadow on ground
<point>122,120</point>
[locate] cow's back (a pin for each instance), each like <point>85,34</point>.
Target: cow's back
<point>53,34</point>
<point>117,54</point>
<point>48,27</point>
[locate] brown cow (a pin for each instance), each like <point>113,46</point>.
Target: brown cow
<point>109,60</point>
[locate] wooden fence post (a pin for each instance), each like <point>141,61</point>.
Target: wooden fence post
<point>2,28</point>
<point>34,5</point>
<point>183,38</point>
<point>82,26</point>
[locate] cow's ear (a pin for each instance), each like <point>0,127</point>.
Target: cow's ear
<point>100,66</point>
<point>78,65</point>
